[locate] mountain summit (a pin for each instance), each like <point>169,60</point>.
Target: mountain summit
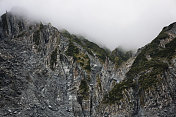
<point>49,73</point>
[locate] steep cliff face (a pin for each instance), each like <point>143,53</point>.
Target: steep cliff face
<point>48,73</point>
<point>149,88</point>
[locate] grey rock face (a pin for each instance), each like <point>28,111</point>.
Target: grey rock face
<point>38,79</point>
<point>151,92</point>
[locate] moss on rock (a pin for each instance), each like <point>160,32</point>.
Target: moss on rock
<point>83,89</point>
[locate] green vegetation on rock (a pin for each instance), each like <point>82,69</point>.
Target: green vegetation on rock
<point>149,71</point>
<point>84,61</point>
<point>99,82</point>
<point>78,56</point>
<point>92,47</point>
<point>118,56</point>
<point>154,51</point>
<point>72,50</point>
<point>116,94</point>
<point>83,89</point>
<point>89,46</point>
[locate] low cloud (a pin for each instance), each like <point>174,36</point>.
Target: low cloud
<point>127,23</point>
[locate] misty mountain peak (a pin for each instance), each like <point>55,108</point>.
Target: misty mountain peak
<point>50,73</point>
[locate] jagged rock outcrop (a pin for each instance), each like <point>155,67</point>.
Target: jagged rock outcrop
<point>149,89</point>
<point>49,73</point>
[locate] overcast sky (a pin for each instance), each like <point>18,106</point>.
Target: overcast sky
<point>113,23</point>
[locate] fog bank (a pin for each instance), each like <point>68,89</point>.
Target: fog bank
<point>113,23</point>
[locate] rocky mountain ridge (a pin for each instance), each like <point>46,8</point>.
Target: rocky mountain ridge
<point>149,88</point>
<point>45,72</point>
<point>49,73</point>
